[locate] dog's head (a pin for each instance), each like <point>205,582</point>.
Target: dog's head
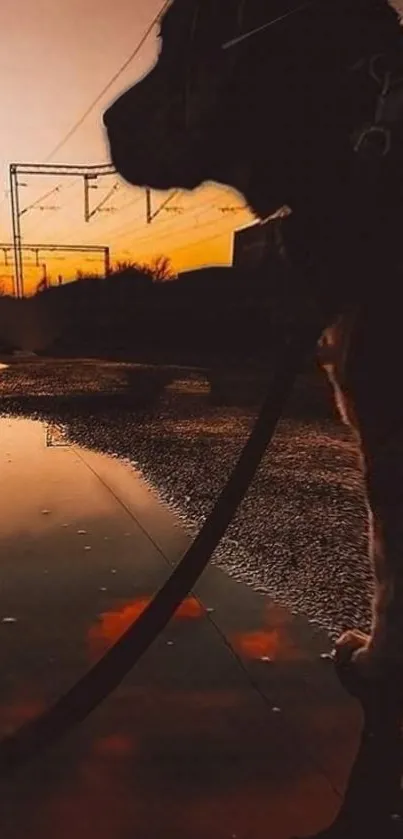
<point>204,110</point>
<point>258,115</point>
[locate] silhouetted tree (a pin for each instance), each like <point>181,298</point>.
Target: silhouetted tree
<point>161,269</point>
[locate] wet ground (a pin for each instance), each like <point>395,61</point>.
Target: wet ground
<point>300,534</point>
<point>233,724</point>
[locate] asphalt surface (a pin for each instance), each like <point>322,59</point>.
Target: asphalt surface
<point>300,534</point>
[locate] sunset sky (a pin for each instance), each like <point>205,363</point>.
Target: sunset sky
<point>56,59</point>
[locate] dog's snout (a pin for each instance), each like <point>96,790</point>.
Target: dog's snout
<point>106,118</point>
<point>117,115</point>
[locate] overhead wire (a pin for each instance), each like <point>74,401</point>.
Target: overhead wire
<point>167,224</point>
<point>184,230</point>
<point>197,242</point>
<point>126,206</point>
<point>44,221</point>
<point>41,198</point>
<point>109,84</point>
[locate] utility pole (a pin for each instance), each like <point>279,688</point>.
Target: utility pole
<point>45,276</point>
<point>87,187</point>
<point>148,205</point>
<point>16,224</point>
<point>88,173</point>
<point>107,261</point>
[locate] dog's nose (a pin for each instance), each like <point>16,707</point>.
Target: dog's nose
<point>135,107</point>
<point>105,118</point>
<point>119,113</point>
<point>113,115</point>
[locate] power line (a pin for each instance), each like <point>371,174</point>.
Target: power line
<point>126,206</point>
<point>40,199</point>
<point>45,221</point>
<point>201,241</point>
<point>165,225</point>
<point>104,200</point>
<point>196,242</point>
<point>128,230</point>
<point>101,222</point>
<point>128,225</point>
<point>105,89</point>
<point>181,232</point>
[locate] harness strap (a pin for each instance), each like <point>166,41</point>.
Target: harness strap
<point>374,138</point>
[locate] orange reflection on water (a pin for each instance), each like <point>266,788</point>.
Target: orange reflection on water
<point>111,625</point>
<point>275,644</point>
<point>257,644</point>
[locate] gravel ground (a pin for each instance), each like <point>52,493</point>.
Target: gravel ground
<point>300,534</point>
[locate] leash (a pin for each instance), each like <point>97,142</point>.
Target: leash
<point>37,735</point>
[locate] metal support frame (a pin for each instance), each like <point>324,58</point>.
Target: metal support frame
<point>150,216</point>
<point>7,247</point>
<point>57,170</point>
<point>16,226</point>
<point>100,207</point>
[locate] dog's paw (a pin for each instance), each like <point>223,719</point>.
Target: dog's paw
<point>359,670</point>
<point>365,667</point>
<point>353,649</point>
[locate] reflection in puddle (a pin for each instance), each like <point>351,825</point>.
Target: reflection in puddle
<point>257,644</point>
<point>112,624</point>
<point>270,643</point>
<point>55,435</point>
<point>262,643</point>
<point>38,475</point>
<point>191,771</point>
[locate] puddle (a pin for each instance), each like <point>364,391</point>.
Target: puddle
<point>53,578</point>
<point>32,482</point>
<point>172,743</point>
<point>113,623</point>
<point>58,571</point>
<point>274,641</point>
<point>266,645</point>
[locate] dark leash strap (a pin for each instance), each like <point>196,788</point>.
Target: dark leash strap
<point>73,707</point>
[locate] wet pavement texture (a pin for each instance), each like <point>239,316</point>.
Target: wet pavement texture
<point>232,725</point>
<point>301,532</point>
